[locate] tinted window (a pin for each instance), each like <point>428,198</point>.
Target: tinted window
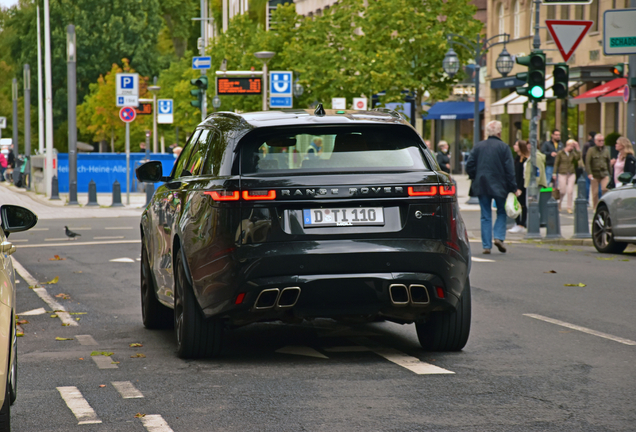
<point>329,149</point>
<point>197,154</point>
<point>215,154</point>
<point>180,165</point>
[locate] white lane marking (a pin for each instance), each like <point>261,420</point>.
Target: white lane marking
<point>122,260</point>
<point>119,228</point>
<point>80,228</point>
<point>38,229</point>
<point>348,349</point>
<point>301,350</point>
<point>481,259</point>
<point>38,311</point>
<point>56,239</point>
<point>108,237</point>
<point>127,390</point>
<point>582,329</point>
<point>155,423</point>
<point>19,240</point>
<point>81,243</point>
<point>78,405</point>
<point>86,340</point>
<point>44,295</point>
<point>104,362</point>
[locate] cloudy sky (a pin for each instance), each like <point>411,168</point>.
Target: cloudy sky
<point>6,3</point>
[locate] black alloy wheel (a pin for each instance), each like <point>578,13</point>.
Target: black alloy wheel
<point>196,336</point>
<point>602,234</point>
<point>447,331</point>
<point>154,314</point>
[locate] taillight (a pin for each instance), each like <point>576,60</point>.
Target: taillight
<point>422,190</point>
<point>445,190</point>
<point>253,195</point>
<point>223,195</point>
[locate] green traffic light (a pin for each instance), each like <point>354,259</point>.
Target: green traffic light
<point>536,92</point>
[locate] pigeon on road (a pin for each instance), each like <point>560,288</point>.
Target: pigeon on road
<point>70,234</point>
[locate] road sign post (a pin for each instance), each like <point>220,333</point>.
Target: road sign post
<point>165,111</point>
<point>280,89</point>
<point>127,115</point>
<point>127,90</point>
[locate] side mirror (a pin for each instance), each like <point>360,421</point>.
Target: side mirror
<point>625,178</point>
<point>15,218</point>
<point>150,172</point>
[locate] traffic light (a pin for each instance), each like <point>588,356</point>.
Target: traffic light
<point>535,77</point>
<point>618,71</point>
<point>561,76</point>
<point>202,85</point>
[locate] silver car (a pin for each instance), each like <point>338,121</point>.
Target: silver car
<point>614,223</point>
<point>13,219</point>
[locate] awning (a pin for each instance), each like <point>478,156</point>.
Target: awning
<point>615,96</point>
<point>591,96</point>
<point>452,111</point>
<point>516,103</point>
<point>499,107</point>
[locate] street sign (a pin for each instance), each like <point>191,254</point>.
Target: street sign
<point>3,122</point>
<point>127,89</point>
<point>280,89</point>
<point>339,103</point>
<point>165,111</point>
<point>239,86</point>
<point>619,32</point>
<point>201,62</point>
<point>360,104</point>
<point>568,34</point>
<point>144,109</point>
<point>127,114</point>
<point>626,94</point>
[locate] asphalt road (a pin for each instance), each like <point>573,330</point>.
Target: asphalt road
<point>542,356</point>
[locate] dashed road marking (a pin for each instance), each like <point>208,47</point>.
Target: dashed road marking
<point>86,339</point>
<point>38,311</point>
<point>582,329</point>
<point>119,228</point>
<point>481,259</point>
<point>44,295</point>
<point>108,238</point>
<point>56,239</point>
<point>155,423</point>
<point>104,362</point>
<point>78,405</point>
<point>38,229</point>
<point>80,243</point>
<point>127,390</point>
<point>19,240</point>
<point>122,260</point>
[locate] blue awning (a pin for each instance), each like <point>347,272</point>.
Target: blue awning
<point>452,111</point>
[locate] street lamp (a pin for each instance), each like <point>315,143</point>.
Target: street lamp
<point>504,63</point>
<point>298,88</point>
<point>71,71</point>
<point>216,102</point>
<point>265,57</point>
<point>451,62</point>
<point>154,89</point>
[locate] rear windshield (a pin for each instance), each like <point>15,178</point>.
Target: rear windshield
<point>324,149</point>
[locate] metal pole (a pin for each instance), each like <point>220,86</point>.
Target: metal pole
<point>27,123</point>
<point>150,187</point>
<point>71,68</point>
<point>204,23</point>
<point>154,124</point>
<point>265,86</point>
<point>476,118</point>
<point>48,175</point>
<point>14,143</point>
<point>631,104</point>
<point>40,99</point>
<point>127,163</point>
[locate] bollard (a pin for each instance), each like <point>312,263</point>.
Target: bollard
<point>92,194</point>
<point>116,195</point>
<point>554,225</point>
<point>55,191</point>
<point>150,191</point>
<point>581,221</point>
<point>533,231</point>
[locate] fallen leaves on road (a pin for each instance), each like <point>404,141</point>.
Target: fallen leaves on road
<point>134,345</point>
<point>551,271</point>
<point>79,271</point>
<point>54,316</point>
<point>63,339</point>
<point>55,280</point>
<point>140,415</point>
<point>22,322</point>
<point>81,358</point>
<point>114,362</point>
<point>576,285</point>
<point>102,385</point>
<point>56,258</point>
<point>605,259</point>
<point>102,353</point>
<point>558,250</point>
<point>138,355</point>
<point>77,313</point>
<point>63,296</point>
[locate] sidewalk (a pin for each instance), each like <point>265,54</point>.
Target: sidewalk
<point>58,209</point>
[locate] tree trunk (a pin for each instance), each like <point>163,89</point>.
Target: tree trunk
<point>112,141</point>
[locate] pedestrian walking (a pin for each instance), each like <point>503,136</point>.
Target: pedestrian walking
<point>597,165</point>
<point>588,145</point>
<point>550,150</point>
<point>443,158</point>
<point>3,166</point>
<point>490,165</point>
<point>520,160</point>
<point>625,161</point>
<point>565,165</point>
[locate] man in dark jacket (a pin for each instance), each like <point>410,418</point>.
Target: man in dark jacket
<point>443,158</point>
<point>550,150</point>
<point>588,145</point>
<point>490,165</point>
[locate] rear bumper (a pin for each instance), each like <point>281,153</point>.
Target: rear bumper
<point>336,278</point>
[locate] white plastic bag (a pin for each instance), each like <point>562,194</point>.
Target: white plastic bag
<point>513,208</point>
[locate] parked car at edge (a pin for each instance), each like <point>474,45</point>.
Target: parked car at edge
<point>13,219</point>
<point>292,215</point>
<point>614,223</point>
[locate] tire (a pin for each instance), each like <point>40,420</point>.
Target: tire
<point>154,314</point>
<point>196,336</point>
<point>13,372</point>
<point>5,411</point>
<point>447,331</point>
<point>602,234</point>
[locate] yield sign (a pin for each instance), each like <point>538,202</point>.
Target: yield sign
<point>568,35</point>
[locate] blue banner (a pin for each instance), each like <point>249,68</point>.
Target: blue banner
<point>105,168</point>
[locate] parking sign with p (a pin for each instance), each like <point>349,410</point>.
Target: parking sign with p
<point>127,89</point>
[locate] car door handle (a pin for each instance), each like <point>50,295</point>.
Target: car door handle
<point>7,247</point>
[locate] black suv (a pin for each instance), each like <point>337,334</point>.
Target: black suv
<point>292,215</point>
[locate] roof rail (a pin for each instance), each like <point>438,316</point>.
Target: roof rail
<point>225,114</point>
<point>391,112</point>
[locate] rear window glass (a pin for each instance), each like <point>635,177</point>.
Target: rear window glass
<point>332,149</point>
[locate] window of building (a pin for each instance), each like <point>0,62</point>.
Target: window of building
<point>578,12</point>
<point>502,26</point>
<point>594,15</point>
<point>551,15</point>
<point>565,12</point>
<point>532,13</point>
<point>516,24</point>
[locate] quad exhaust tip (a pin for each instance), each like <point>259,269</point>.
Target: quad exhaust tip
<point>288,297</point>
<point>273,297</point>
<point>399,294</point>
<point>415,294</point>
<point>267,299</point>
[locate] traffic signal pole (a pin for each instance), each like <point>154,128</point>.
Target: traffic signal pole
<point>204,23</point>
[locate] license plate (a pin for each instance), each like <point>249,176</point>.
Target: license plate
<point>343,217</point>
